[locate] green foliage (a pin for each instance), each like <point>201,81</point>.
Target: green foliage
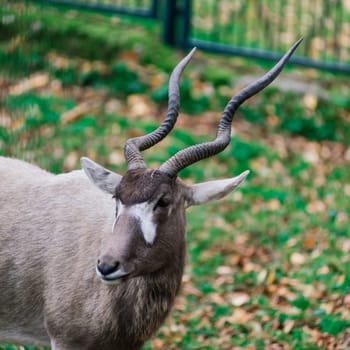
<point>13,347</point>
<point>325,123</point>
<point>124,81</point>
<point>217,75</point>
<point>20,62</point>
<point>301,303</point>
<point>333,325</point>
<point>190,104</point>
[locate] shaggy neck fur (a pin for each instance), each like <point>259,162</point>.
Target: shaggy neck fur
<point>144,302</point>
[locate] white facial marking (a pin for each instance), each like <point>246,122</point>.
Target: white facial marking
<point>144,213</point>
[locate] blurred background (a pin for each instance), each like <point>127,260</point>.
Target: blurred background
<point>268,268</point>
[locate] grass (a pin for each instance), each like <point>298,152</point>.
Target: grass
<point>267,268</point>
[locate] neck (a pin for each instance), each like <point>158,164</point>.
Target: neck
<point>146,300</point>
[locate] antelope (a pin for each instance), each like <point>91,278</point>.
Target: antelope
<point>91,259</point>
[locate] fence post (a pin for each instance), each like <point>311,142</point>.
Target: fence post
<point>176,22</point>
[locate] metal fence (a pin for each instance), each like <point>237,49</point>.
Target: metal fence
<point>264,28</point>
<point>253,28</point>
<point>140,8</point>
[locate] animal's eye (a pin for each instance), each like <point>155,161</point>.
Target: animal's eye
<point>162,203</point>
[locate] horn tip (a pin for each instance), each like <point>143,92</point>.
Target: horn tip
<point>295,45</point>
<point>191,53</point>
<point>244,174</point>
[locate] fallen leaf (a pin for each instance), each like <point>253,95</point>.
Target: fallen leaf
<point>288,326</point>
<point>140,106</point>
<point>239,316</point>
<point>297,259</point>
<point>35,81</point>
<point>71,160</point>
<point>224,270</point>
<point>77,112</point>
<point>310,101</point>
<point>216,298</point>
<point>239,299</point>
<point>116,158</point>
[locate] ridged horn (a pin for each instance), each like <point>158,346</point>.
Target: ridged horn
<point>193,154</point>
<point>134,146</point>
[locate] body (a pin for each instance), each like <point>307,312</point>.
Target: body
<point>53,254</point>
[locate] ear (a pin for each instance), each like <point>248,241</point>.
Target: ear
<point>213,190</point>
<point>104,179</point>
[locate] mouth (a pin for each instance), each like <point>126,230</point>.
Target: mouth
<point>113,278</point>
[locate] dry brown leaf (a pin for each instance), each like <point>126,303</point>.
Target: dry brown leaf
<point>273,120</point>
<point>189,289</point>
<point>57,61</point>
<point>71,160</point>
<point>116,158</point>
<point>324,270</point>
<point>156,81</point>
<point>216,298</point>
<point>140,106</point>
<point>297,259</point>
<point>273,205</point>
<point>5,120</point>
<point>310,101</point>
<point>157,344</point>
<point>35,81</point>
<point>239,299</point>
<point>327,307</point>
<point>77,112</point>
<point>310,242</point>
<point>129,56</point>
<point>271,277</point>
<point>224,270</point>
<point>316,206</point>
<point>239,316</point>
<point>262,276</point>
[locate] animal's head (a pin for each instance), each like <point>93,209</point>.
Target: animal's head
<point>149,229</point>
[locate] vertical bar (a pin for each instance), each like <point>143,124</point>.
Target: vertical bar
<point>153,9</point>
<point>235,20</point>
<point>243,38</point>
<point>280,24</point>
<point>187,12</point>
<point>328,31</point>
<point>215,31</point>
<point>169,32</point>
<point>177,22</point>
<point>259,11</point>
<point>337,30</point>
<point>297,18</point>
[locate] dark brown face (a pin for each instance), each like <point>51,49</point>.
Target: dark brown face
<point>149,184</point>
<point>149,231</point>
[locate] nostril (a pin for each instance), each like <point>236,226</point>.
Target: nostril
<point>106,268</point>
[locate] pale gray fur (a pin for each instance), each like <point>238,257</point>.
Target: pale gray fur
<point>49,228</point>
